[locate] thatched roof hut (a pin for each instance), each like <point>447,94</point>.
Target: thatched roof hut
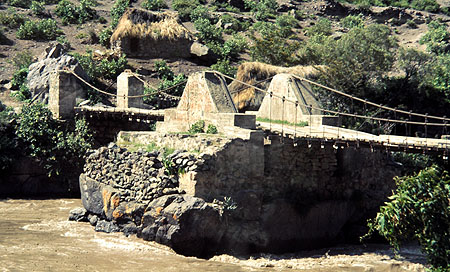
<point>147,34</point>
<point>254,72</point>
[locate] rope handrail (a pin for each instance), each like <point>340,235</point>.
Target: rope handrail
<point>160,91</point>
<point>370,103</point>
<point>125,96</point>
<point>341,113</point>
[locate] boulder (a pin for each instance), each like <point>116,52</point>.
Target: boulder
<point>185,223</point>
<point>202,53</point>
<point>78,214</point>
<point>52,60</point>
<point>106,226</point>
<point>98,198</point>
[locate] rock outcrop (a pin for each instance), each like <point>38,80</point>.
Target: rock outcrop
<point>53,59</point>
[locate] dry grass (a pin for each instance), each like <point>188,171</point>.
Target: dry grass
<point>253,72</point>
<point>142,24</point>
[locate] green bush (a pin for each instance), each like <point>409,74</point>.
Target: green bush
<point>212,129</point>
<point>154,4</point>
<point>75,14</point>
<point>262,9</point>
<point>197,127</point>
<point>12,19</point>
<point>207,32</point>
<point>37,8</point>
<point>224,66</point>
<point>352,21</point>
<point>119,8</point>
<point>59,150</point>
<point>96,69</point>
<point>272,46</point>
<point>437,38</point>
<point>20,3</point>
<point>43,30</point>
<point>105,36</point>
<point>419,209</point>
<point>185,7</point>
<point>322,27</point>
<point>19,78</point>
<point>426,5</point>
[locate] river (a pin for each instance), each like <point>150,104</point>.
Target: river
<point>36,236</point>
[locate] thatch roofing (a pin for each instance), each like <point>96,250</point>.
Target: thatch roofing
<point>141,24</point>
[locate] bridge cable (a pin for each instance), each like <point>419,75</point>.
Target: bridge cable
<point>349,114</point>
<point>127,96</point>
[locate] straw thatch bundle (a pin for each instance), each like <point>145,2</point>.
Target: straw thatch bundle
<point>150,34</point>
<point>254,72</point>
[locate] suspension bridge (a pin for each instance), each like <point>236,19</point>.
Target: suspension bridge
<point>286,109</point>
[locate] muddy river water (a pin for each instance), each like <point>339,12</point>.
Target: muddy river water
<point>36,236</point>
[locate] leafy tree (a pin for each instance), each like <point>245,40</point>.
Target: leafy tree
<point>37,8</point>
<point>44,138</point>
<point>352,21</point>
<point>419,209</point>
<point>272,44</point>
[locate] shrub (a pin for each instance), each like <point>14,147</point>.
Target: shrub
<point>212,129</point>
<point>37,8</point>
<point>197,127</point>
<point>272,46</point>
<point>154,4</point>
<point>75,14</point>
<point>419,209</point>
<point>262,9</point>
<point>43,30</point>
<point>105,36</point>
<point>352,21</point>
<point>95,69</point>
<point>185,7</point>
<point>224,66</point>
<point>201,12</point>
<point>59,149</point>
<point>12,19</point>
<point>207,32</point>
<point>19,78</point>
<point>232,47</point>
<point>285,23</point>
<point>119,8</point>
<point>322,27</point>
<point>437,38</point>
<point>20,3</point>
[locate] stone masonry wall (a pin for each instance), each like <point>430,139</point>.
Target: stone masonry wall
<point>236,195</point>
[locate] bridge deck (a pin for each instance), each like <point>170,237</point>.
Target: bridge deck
<point>135,113</point>
<point>342,136</point>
